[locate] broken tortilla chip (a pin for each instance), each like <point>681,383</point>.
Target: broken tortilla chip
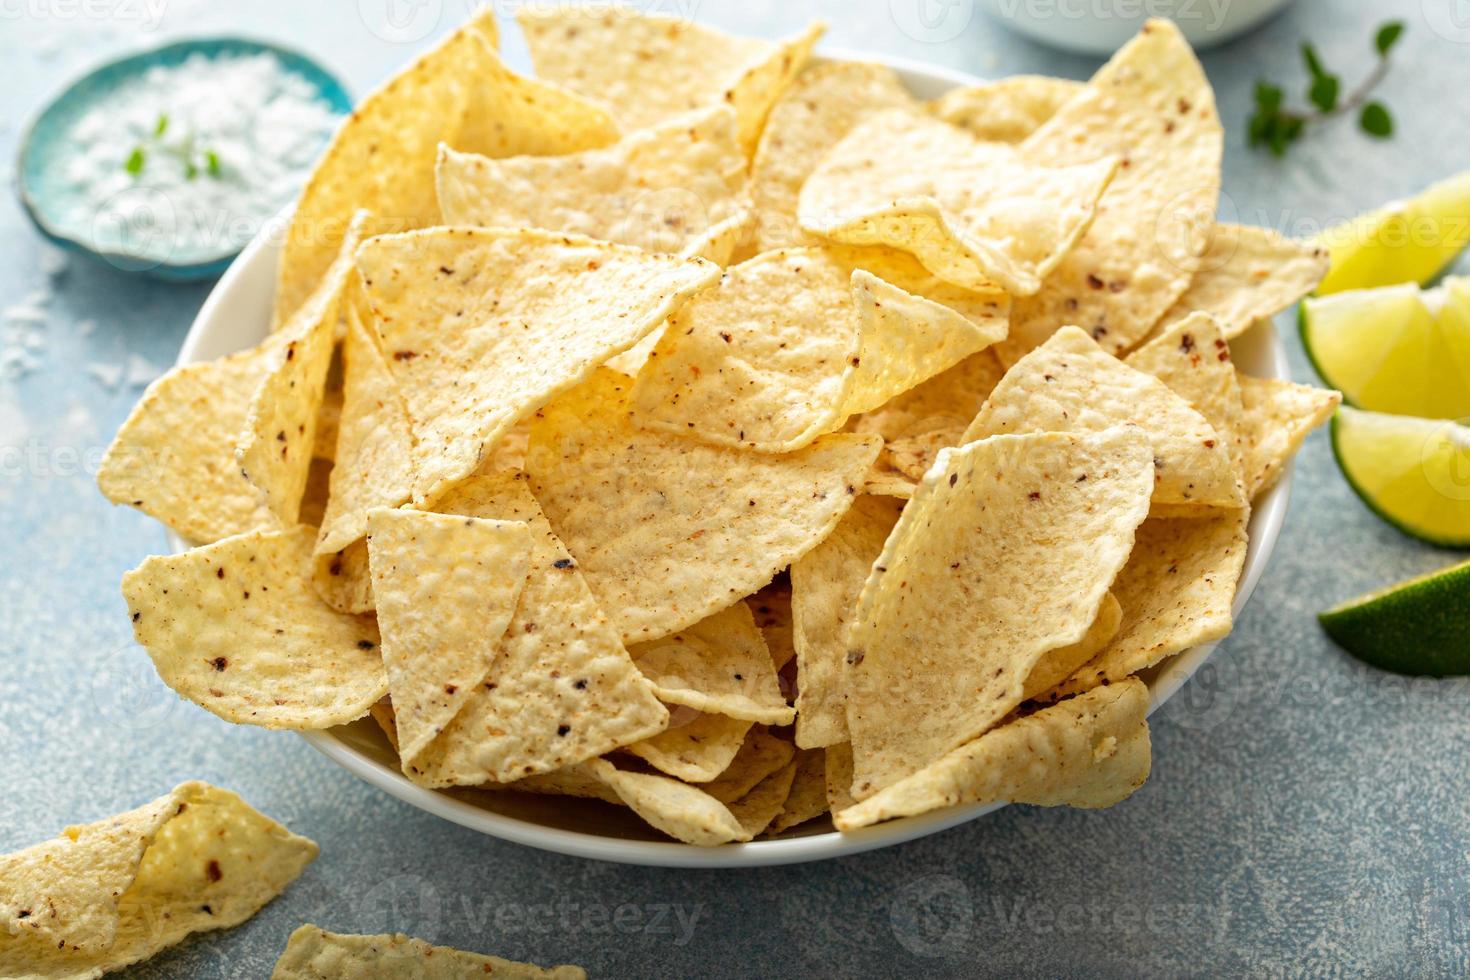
<point>1007,110</point>
<point>696,751</point>
<point>1277,417</point>
<point>312,953</point>
<point>684,812</point>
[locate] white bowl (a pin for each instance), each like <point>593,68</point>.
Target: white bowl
<point>1103,26</point>
<point>237,315</point>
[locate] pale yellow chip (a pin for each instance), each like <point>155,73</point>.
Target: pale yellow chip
<point>108,894</point>
<point>312,953</point>
<point>947,629</point>
<point>757,809</point>
<point>1248,274</point>
<point>314,498</point>
<point>236,628</point>
<point>695,749</point>
<point>1091,751</point>
<point>791,343</point>
<point>1057,665</point>
<point>884,481</point>
<point>677,187</point>
<point>1176,592</point>
<point>446,589</point>
<point>684,812</point>
<point>667,529</point>
<point>562,687</point>
<point>761,755</point>
<point>382,157</point>
<point>577,780</point>
<point>825,584</point>
<point>1152,105</point>
<point>947,402</point>
<point>838,774</point>
<point>275,450</point>
<point>481,327</point>
<point>648,68</point>
<point>808,120</point>
<point>1008,110</point>
<point>807,798</point>
<point>975,213</point>
<point>720,665</point>
<point>1278,416</point>
<point>1070,384</point>
<point>771,607</point>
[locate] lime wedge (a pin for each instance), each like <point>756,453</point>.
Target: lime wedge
<point>1394,349</point>
<point>1406,241</point>
<point>1414,473</point>
<point>1419,627</point>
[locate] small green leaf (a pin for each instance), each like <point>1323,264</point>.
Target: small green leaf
<point>161,126</point>
<point>1376,121</point>
<point>211,160</point>
<point>1314,64</point>
<point>1387,35</point>
<point>190,171</point>
<point>1268,97</point>
<point>135,161</point>
<point>1323,93</point>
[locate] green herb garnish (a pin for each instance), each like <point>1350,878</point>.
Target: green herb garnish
<point>134,164</point>
<point>1276,127</point>
<point>160,127</point>
<point>211,161</point>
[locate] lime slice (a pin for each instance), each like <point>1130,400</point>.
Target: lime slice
<point>1414,473</point>
<point>1394,349</point>
<point>1407,241</point>
<point>1419,627</point>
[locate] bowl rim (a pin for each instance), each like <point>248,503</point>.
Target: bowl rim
<point>256,265</point>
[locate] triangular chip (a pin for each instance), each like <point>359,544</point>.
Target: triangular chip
<point>1152,105</point>
<point>1006,552</point>
<point>1278,416</point>
<point>446,588</point>
<point>975,213</point>
<point>695,749</point>
<point>236,628</point>
<point>1091,751</point>
<point>684,812</point>
<point>825,585</point>
<point>481,327</point>
<point>761,755</point>
<point>105,895</point>
<point>758,808</point>
<point>382,157</point>
<point>1057,665</point>
<point>807,798</point>
<point>771,607</point>
<point>668,530</point>
<point>674,188</point>
<point>839,776</point>
<point>1070,384</point>
<point>1007,110</point>
<point>647,68</point>
<point>562,687</point>
<point>808,120</point>
<point>312,953</point>
<point>720,665</point>
<point>791,343</point>
<point>947,402</point>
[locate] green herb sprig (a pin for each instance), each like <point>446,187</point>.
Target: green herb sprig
<point>1277,127</point>
<point>193,159</point>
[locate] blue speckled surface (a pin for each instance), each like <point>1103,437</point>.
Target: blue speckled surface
<point>1304,815</point>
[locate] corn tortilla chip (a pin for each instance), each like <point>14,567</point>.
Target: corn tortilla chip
<point>947,402</point>
<point>1057,665</point>
<point>1278,416</point>
<point>382,713</point>
<point>314,497</point>
<point>1091,751</point>
<point>312,953</point>
<point>1152,105</point>
<point>236,628</point>
<point>105,895</point>
<point>1007,110</point>
<point>720,665</point>
<point>696,751</point>
<point>481,327</point>
<point>884,481</point>
<point>1070,384</point>
<point>382,157</point>
<point>668,530</point>
<point>838,774</point>
<point>758,808</point>
<point>684,812</point>
<point>577,780</point>
<point>761,755</point>
<point>446,589</point>
<point>562,687</point>
<point>771,607</point>
<point>1006,552</point>
<point>807,798</point>
<point>976,214</point>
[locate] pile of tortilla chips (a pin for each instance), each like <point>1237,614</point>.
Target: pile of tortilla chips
<point>700,430</point>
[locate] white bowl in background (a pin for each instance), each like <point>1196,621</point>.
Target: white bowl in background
<point>1103,26</point>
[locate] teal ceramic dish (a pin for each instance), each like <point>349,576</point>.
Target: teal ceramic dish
<point>44,147</point>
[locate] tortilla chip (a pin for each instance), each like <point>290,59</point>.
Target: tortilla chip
<point>674,188</point>
<point>1153,105</point>
<point>174,457</point>
<point>1091,751</point>
<point>1057,665</point>
<point>105,895</point>
<point>720,665</point>
<point>1278,416</point>
<point>312,953</point>
<point>761,755</point>
<point>696,751</point>
<point>839,776</point>
<point>275,451</point>
<point>314,498</point>
<point>791,343</point>
<point>807,798</point>
<point>819,108</point>
<point>1008,110</point>
<point>1248,274</point>
<point>947,402</point>
<point>684,812</point>
<point>946,632</point>
<point>446,587</point>
<point>884,481</point>
<point>771,607</point>
<point>382,713</point>
<point>577,780</point>
<point>1070,384</point>
<point>825,585</point>
<point>1176,592</point>
<point>382,157</point>
<point>562,687</point>
<point>647,69</point>
<point>235,627</point>
<point>758,808</point>
<point>481,327</point>
<point>329,415</point>
<point>975,213</point>
<point>668,530</point>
